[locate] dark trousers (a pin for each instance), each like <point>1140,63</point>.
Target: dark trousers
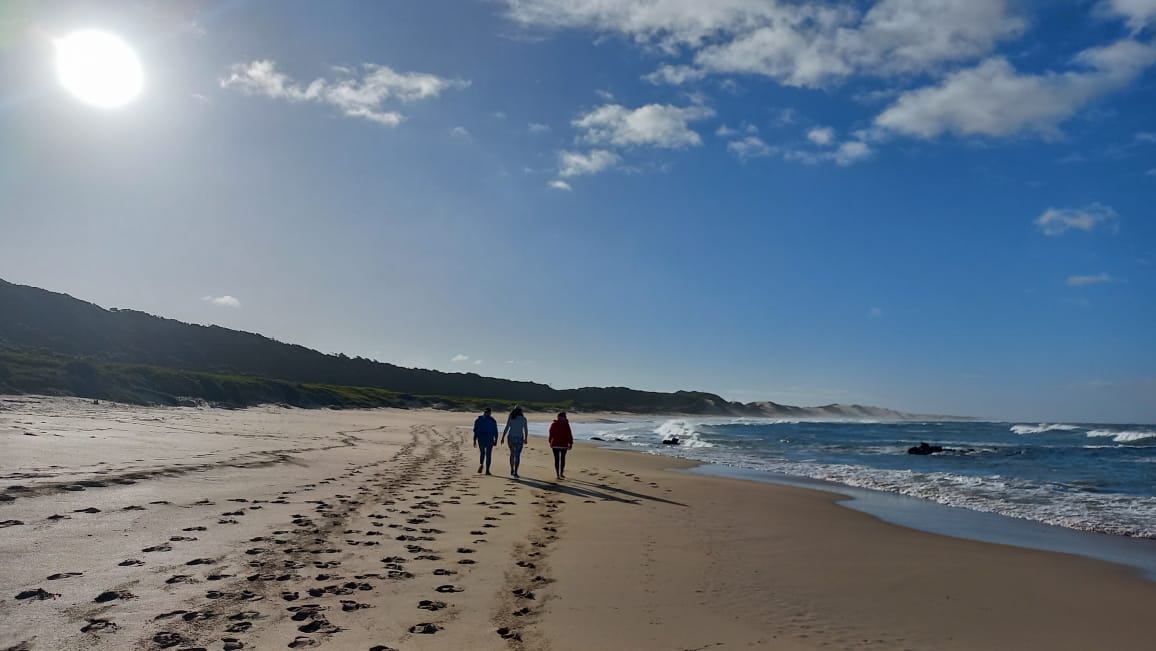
<point>560,461</point>
<point>486,453</point>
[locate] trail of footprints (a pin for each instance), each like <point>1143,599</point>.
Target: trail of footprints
<point>292,574</point>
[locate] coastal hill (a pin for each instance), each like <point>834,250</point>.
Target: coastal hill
<point>55,344</point>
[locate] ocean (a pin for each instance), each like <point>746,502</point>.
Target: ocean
<point>1088,477</point>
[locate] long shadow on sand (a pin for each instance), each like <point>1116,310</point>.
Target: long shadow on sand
<point>579,488</point>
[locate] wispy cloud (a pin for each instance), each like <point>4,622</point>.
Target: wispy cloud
<point>359,93</point>
<point>749,147</point>
<point>1056,221</point>
<point>559,184</point>
<point>477,362</point>
<point>223,301</point>
<point>875,312</point>
<point>654,125</point>
<point>536,127</point>
<point>796,44</point>
<point>460,132</point>
<point>821,135</point>
<point>993,99</point>
<point>1084,281</point>
<point>574,163</point>
<point>459,358</point>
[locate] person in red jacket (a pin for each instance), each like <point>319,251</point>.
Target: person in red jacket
<point>561,440</point>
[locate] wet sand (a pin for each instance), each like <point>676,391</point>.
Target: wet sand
<point>147,528</point>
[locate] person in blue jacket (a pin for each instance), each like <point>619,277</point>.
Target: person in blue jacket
<point>485,438</point>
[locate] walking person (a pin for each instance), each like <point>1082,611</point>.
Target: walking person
<point>485,438</point>
<point>518,430</point>
<point>561,441</point>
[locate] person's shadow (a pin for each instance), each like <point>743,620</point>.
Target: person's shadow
<point>588,490</point>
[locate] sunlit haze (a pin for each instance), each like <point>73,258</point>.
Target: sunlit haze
<point>98,68</point>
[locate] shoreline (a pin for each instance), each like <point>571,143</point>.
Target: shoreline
<point>272,528</point>
<point>918,514</point>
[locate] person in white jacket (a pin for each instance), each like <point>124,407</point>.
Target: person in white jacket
<point>518,429</point>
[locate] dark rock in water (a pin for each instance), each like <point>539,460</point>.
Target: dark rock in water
<point>670,441</point>
<point>597,438</point>
<point>924,448</point>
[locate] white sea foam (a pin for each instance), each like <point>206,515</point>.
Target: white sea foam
<point>1124,436</point>
<point>685,431</point>
<point>1041,428</point>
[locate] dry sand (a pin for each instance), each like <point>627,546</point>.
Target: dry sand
<point>138,528</point>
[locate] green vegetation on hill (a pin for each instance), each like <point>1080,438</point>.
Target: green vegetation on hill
<point>57,345</point>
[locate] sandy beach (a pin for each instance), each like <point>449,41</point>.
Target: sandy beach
<point>268,528</point>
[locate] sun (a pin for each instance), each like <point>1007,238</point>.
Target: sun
<point>98,68</point>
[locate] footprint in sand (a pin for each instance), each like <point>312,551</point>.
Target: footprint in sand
<point>55,516</point>
<point>64,575</point>
<point>301,642</point>
<point>508,634</point>
<point>449,588</point>
<point>132,562</point>
<point>39,594</point>
<point>167,639</point>
<point>158,548</point>
<point>232,644</point>
<point>134,507</point>
<point>523,593</point>
<point>178,578</point>
<point>521,612</point>
<point>91,509</point>
<point>441,571</point>
<point>425,628</point>
<point>195,529</point>
<point>349,606</point>
<point>112,595</point>
<point>97,625</point>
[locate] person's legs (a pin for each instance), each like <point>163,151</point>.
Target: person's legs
<point>515,458</point>
<point>562,463</point>
<point>487,456</point>
<point>558,461</point>
<point>481,455</point>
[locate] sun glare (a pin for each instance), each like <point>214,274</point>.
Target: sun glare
<point>98,68</point>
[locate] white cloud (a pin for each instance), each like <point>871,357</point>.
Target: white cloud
<point>574,163</point>
<point>477,362</point>
<point>457,359</point>
<point>847,153</point>
<point>654,125</point>
<point>1138,13</point>
<point>821,135</point>
<point>725,132</point>
<point>993,99</point>
<point>674,75</point>
<point>1151,172</point>
<point>1146,136</point>
<point>536,127</point>
<point>797,44</point>
<point>356,93</point>
<point>499,115</point>
<point>559,184</point>
<point>223,301</point>
<point>460,132</point>
<point>875,312</point>
<point>749,147</point>
<point>852,152</point>
<point>1084,281</point>
<point>1058,221</point>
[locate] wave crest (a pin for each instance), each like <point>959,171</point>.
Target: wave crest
<point>1041,428</point>
<point>1124,436</point>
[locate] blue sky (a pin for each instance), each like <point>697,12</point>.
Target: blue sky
<point>929,205</point>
